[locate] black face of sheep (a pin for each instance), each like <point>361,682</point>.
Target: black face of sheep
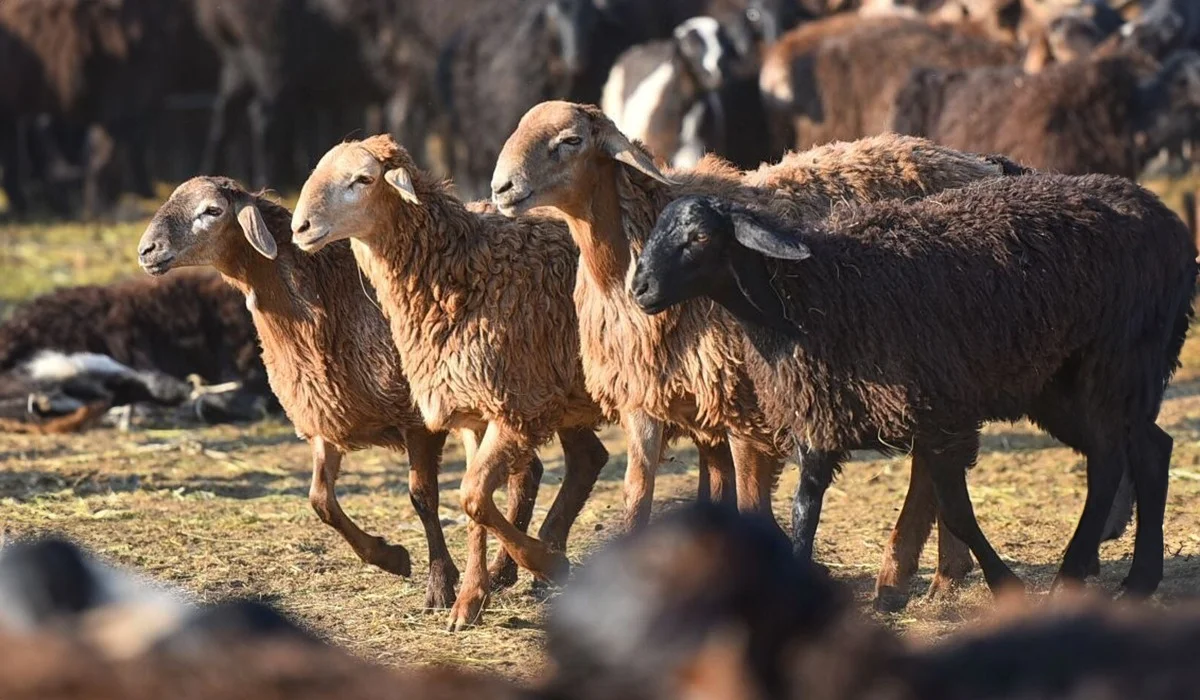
<point>703,597</point>
<point>1163,27</point>
<point>701,246</point>
<point>45,580</point>
<point>708,51</point>
<point>206,221</point>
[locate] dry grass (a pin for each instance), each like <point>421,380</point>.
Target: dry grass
<point>223,511</point>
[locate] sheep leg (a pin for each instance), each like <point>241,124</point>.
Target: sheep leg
<point>903,551</point>
<point>500,449</point>
<point>472,597</point>
<point>954,562</point>
<point>424,457</point>
<point>817,469</point>
<point>522,495</point>
<point>645,439</point>
<point>327,461</point>
<point>949,456</point>
<point>1104,468</point>
<point>716,460</point>
<point>703,484</point>
<point>756,471</point>
<point>584,456</point>
<point>1151,456</point>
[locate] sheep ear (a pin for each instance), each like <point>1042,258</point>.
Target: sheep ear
<point>770,243</point>
<point>255,230</point>
<point>622,150</point>
<point>402,182</point>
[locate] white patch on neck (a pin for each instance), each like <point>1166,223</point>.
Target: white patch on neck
<point>52,365</point>
<point>612,100</point>
<point>691,148</point>
<point>252,301</point>
<point>708,30</point>
<point>635,119</point>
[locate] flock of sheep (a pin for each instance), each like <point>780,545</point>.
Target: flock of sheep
<point>965,243</point>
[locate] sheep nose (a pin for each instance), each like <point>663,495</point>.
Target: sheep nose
<point>640,287</point>
<point>304,226</point>
<point>147,248</point>
<point>502,187</point>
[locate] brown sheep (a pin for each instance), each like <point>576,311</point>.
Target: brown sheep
<point>837,79</point>
<point>480,311</point>
<point>1103,114</point>
<point>687,367</point>
<point>341,396</point>
<point>1061,299</point>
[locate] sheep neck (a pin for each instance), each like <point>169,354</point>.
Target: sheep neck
<point>596,226</point>
<point>264,282</point>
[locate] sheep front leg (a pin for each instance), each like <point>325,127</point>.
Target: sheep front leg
<point>522,495</point>
<point>327,461</point>
<point>903,551</point>
<point>716,463</point>
<point>645,439</point>
<point>584,456</point>
<point>756,470</point>
<point>424,456</point>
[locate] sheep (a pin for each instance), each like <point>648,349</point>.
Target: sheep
<point>1079,287</point>
<point>1070,34</point>
<point>340,397</point>
<point>837,79</point>
<point>771,627</point>
<point>1163,27</point>
<point>685,96</point>
<point>1101,114</point>
<point>687,368</point>
<point>99,66</point>
<point>178,326</point>
<point>493,357</point>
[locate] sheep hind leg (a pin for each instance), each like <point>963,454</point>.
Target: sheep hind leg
<point>522,496</point>
<point>756,471</point>
<point>817,469</point>
<point>1105,464</point>
<point>499,451</point>
<point>949,456</point>
<point>903,551</point>
<point>424,456</point>
<point>584,456</point>
<point>1151,459</point>
<point>716,462</point>
<point>327,461</point>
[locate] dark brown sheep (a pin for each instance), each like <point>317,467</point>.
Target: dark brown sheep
<point>1105,114</point>
<point>341,396</point>
<point>906,325</point>
<point>837,79</point>
<point>723,611</point>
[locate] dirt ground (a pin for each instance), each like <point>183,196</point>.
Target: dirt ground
<point>223,511</point>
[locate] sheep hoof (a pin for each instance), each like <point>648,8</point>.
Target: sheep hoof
<point>559,569</point>
<point>942,587</point>
<point>1093,566</point>
<point>439,594</point>
<point>467,610</point>
<point>503,572</point>
<point>542,590</point>
<point>1066,584</point>
<point>890,599</point>
<point>392,558</point>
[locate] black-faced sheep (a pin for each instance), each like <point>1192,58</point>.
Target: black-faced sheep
<point>887,325</point>
<point>481,314</point>
<point>1101,114</point>
<point>1163,27</point>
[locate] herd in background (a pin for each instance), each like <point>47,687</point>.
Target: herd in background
<point>105,96</point>
<point>704,604</point>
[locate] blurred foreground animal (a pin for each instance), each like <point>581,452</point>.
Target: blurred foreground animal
<point>1080,288</point>
<point>161,333</point>
<point>706,603</point>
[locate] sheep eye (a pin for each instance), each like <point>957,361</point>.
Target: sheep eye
<point>568,141</point>
<point>753,14</point>
<point>363,180</point>
<point>211,211</point>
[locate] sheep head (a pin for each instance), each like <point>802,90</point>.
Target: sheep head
<point>704,246</point>
<point>553,157</point>
<point>205,221</point>
<point>348,191</point>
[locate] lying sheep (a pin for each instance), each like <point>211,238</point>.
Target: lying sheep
<point>724,612</point>
<point>340,396</point>
<point>1104,114</point>
<point>1079,288</point>
<point>175,327</point>
<point>480,311</point>
<point>686,368</point>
